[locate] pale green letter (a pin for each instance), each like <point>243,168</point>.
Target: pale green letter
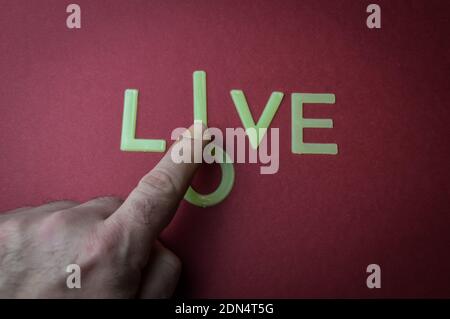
<point>247,119</point>
<point>299,123</point>
<point>129,142</point>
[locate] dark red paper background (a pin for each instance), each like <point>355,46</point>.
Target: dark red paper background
<point>311,229</point>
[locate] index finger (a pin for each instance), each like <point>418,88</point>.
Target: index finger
<point>152,204</point>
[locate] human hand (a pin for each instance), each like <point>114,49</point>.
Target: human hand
<point>113,241</point>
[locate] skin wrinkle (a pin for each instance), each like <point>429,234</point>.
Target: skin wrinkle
<point>161,180</point>
<point>146,208</point>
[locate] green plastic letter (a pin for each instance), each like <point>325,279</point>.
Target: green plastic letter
<point>299,123</point>
<point>247,119</point>
<point>200,109</point>
<point>129,142</point>
<point>226,184</point>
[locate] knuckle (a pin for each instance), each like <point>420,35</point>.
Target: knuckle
<point>142,209</point>
<point>96,248</point>
<point>160,181</point>
<point>58,205</point>
<point>59,216</point>
<point>67,202</point>
<point>110,201</point>
<point>12,226</point>
<point>53,223</point>
<point>17,210</point>
<point>61,204</point>
<point>57,219</point>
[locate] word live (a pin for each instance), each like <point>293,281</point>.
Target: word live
<point>254,131</point>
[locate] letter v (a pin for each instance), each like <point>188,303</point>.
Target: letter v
<point>247,119</point>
